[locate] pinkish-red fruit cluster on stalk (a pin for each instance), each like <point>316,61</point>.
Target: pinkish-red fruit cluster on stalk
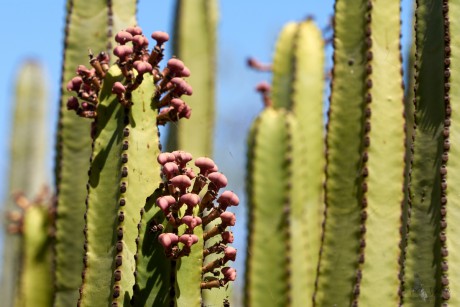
<point>135,61</point>
<point>182,205</point>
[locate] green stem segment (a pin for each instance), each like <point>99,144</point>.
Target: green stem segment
<point>452,10</point>
<point>361,265</point>
<point>36,281</point>
<point>28,171</point>
<point>153,271</point>
<point>267,274</point>
<point>423,263</point>
<point>340,246</point>
<point>87,27</point>
<point>103,198</point>
<point>122,174</point>
<point>195,44</point>
<point>294,126</point>
<point>139,173</point>
<point>307,106</point>
<point>383,172</point>
<point>195,32</point>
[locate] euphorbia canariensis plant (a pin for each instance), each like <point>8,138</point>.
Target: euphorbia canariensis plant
<point>127,101</point>
<point>123,100</point>
<point>366,218</point>
<point>377,246</point>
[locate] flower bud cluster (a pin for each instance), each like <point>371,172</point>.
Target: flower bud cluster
<point>15,218</point>
<point>135,61</point>
<point>87,85</point>
<point>182,206</point>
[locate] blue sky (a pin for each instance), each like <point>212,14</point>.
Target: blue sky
<point>247,28</point>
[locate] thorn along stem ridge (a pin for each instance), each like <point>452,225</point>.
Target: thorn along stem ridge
<point>445,293</point>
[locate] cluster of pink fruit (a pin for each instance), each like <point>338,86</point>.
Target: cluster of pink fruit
<point>134,60</point>
<point>183,206</point>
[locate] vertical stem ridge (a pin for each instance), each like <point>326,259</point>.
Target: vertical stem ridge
<point>339,249</point>
<point>423,264</point>
<point>450,222</point>
<point>266,270</point>
<point>121,246</point>
<point>85,25</point>
<point>443,235</point>
<point>139,175</point>
<point>365,151</point>
<point>383,172</point>
<point>154,275</point>
<point>287,212</point>
<point>306,103</point>
<point>408,133</point>
<point>103,198</point>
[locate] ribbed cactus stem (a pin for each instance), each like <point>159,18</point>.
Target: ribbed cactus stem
<point>339,251</point>
<point>452,244</point>
<point>199,52</point>
<point>125,145</point>
<point>87,25</point>
<point>295,100</point>
<point>269,165</point>
<point>377,278</point>
<point>28,167</point>
<point>35,226</point>
<point>424,263</point>
<point>379,176</point>
<point>284,67</point>
<point>307,106</point>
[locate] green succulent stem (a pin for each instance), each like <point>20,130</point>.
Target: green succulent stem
<point>28,151</point>
<point>284,67</point>
<point>423,262</point>
<point>307,107</point>
<point>199,52</point>
<point>86,26</point>
<point>153,270</point>
<point>379,173</point>
<point>126,142</point>
<point>341,232</point>
<point>297,94</point>
<point>36,278</point>
<point>383,173</point>
<point>267,275</point>
<point>452,35</point>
